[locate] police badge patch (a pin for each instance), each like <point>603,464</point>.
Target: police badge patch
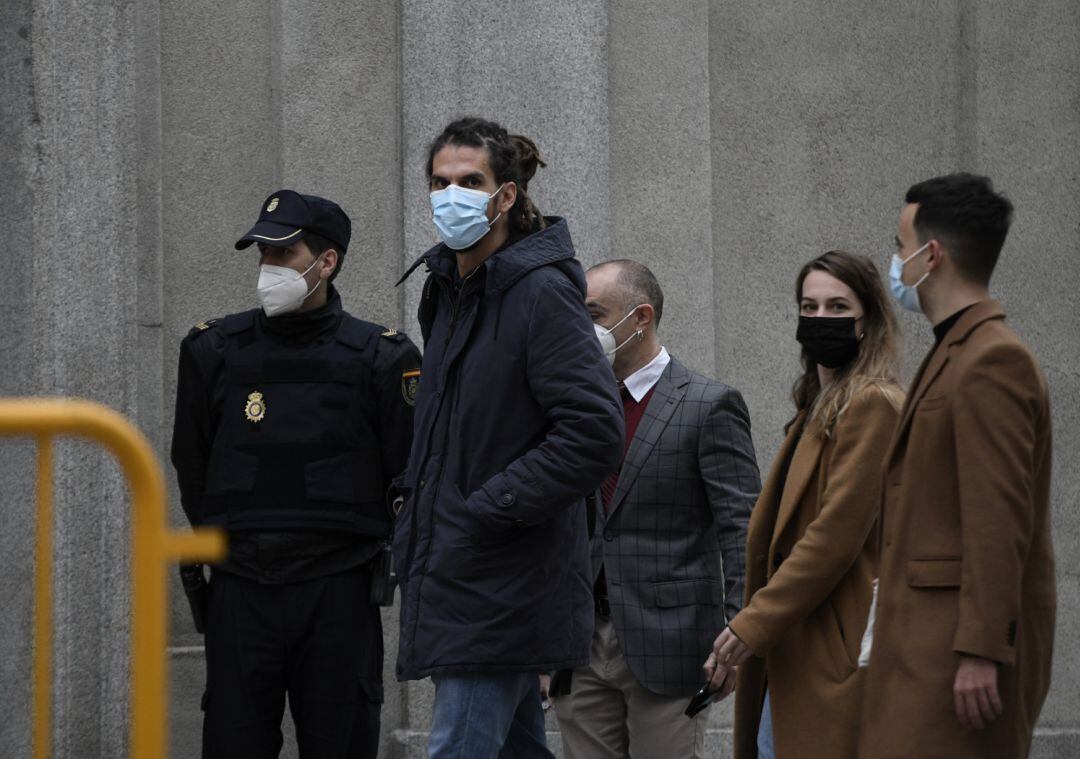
<point>255,409</point>
<point>410,386</point>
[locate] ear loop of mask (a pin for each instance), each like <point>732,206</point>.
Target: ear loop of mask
<point>637,333</point>
<point>316,287</point>
<point>903,263</point>
<point>492,195</point>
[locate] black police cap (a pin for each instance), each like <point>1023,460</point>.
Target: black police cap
<point>286,215</point>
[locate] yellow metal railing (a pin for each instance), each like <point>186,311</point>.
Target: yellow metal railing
<point>153,546</point>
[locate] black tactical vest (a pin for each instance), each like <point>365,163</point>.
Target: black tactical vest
<point>296,445</point>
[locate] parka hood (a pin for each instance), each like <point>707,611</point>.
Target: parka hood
<point>549,246</point>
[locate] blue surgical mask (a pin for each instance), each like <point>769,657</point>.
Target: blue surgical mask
<point>906,295</point>
<point>460,215</point>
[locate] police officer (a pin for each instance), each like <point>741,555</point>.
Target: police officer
<point>291,420</point>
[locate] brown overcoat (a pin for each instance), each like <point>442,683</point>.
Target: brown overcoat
<point>967,564</point>
<point>811,562</point>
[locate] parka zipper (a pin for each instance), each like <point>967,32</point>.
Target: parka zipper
<point>456,303</point>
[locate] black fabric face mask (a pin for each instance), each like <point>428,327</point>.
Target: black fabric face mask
<point>828,340</point>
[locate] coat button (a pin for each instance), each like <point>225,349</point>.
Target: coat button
<point>609,535</point>
<point>507,499</point>
<point>422,483</point>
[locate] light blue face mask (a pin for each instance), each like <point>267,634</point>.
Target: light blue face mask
<point>906,295</point>
<point>460,215</point>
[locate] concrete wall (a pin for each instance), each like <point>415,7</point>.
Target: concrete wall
<point>721,143</point>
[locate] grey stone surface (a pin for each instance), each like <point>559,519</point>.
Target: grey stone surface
<point>347,55</point>
<point>539,69</point>
<point>822,116</point>
<point>661,170</point>
<point>18,161</point>
<point>723,144</point>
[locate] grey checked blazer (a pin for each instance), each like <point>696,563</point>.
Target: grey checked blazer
<point>672,542</point>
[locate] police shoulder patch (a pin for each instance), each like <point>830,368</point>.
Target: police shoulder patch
<point>410,386</point>
<point>202,327</point>
<point>393,335</point>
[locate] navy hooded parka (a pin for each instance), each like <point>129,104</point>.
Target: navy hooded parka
<point>517,418</point>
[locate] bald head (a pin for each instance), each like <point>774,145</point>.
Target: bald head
<point>630,284</point>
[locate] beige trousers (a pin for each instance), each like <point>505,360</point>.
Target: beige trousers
<point>610,715</point>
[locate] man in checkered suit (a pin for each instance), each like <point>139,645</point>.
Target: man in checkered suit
<point>668,541</point>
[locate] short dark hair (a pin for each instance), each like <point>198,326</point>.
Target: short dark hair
<point>318,245</point>
<point>963,211</point>
<point>512,157</point>
<point>638,283</point>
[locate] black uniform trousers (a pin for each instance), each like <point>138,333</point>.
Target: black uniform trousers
<point>318,640</point>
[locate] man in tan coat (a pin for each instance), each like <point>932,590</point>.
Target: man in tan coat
<point>960,662</point>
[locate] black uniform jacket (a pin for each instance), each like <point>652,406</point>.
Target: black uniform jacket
<point>204,407</point>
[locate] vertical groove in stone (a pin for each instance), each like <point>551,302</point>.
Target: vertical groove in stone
<point>967,103</point>
<point>277,39</point>
<point>404,261</point>
<point>20,154</point>
<point>147,255</point>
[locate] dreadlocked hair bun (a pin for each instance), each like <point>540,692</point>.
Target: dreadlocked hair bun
<point>528,158</point>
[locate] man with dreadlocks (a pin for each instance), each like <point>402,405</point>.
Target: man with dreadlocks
<point>517,419</point>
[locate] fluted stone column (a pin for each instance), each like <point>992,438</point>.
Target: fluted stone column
<point>80,305</point>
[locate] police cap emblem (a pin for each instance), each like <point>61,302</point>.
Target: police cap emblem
<point>255,409</point>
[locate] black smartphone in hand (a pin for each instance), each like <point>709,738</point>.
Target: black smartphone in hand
<point>700,701</point>
<point>704,697</point>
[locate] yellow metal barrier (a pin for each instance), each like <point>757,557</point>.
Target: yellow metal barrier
<point>153,546</point>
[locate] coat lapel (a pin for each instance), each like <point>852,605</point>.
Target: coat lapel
<point>803,465</point>
<point>669,390</point>
<point>935,362</point>
<point>764,515</point>
<point>931,367</point>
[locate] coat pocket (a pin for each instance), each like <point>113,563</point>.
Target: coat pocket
<point>934,573</point>
<point>687,593</point>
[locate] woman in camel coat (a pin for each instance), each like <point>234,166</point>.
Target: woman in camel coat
<point>811,547</point>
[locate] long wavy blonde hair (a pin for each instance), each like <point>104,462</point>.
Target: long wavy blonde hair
<point>878,361</point>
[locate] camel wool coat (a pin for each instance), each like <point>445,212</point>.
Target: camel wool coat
<point>967,563</point>
<point>811,563</point>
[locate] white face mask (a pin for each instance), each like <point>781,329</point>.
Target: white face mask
<point>607,336</point>
<point>283,290</point>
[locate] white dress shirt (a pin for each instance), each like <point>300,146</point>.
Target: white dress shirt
<point>641,382</point>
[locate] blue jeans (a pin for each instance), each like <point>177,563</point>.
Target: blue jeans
<point>488,716</point>
<point>765,748</point>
